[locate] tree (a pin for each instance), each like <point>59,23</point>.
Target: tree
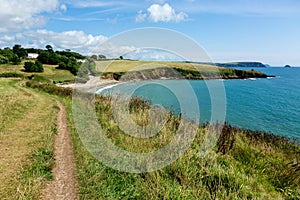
<point>19,51</point>
<point>101,56</point>
<point>43,57</point>
<point>39,66</point>
<point>7,53</point>
<point>15,59</point>
<point>94,57</point>
<point>62,65</point>
<point>33,67</point>
<point>121,57</point>
<point>49,48</point>
<point>3,59</point>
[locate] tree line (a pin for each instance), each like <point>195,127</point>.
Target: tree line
<point>14,55</point>
<point>66,59</point>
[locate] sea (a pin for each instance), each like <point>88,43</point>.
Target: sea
<point>271,105</point>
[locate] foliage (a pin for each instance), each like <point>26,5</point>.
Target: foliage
<point>33,50</point>
<point>244,165</point>
<point>11,74</point>
<point>64,60</point>
<point>3,59</point>
<point>15,59</point>
<point>70,54</point>
<point>49,88</point>
<point>19,51</point>
<point>69,64</point>
<point>33,67</point>
<point>7,56</point>
<point>49,48</point>
<point>86,68</point>
<point>94,57</point>
<point>101,57</point>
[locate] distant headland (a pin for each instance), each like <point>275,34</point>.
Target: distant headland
<point>242,64</point>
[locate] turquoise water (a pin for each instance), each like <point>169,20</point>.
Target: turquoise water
<point>270,105</point>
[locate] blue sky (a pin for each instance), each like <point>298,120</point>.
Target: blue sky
<point>229,30</point>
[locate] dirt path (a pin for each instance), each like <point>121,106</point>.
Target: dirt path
<point>64,185</point>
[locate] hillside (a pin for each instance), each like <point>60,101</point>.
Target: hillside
<point>243,165</point>
<point>142,70</point>
<point>242,64</point>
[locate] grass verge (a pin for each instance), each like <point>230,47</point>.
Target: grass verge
<point>27,129</point>
<point>244,165</point>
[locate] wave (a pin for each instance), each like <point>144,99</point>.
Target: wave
<point>107,87</point>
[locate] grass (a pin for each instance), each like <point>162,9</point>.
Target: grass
<point>131,65</point>
<point>50,72</point>
<point>243,165</point>
<point>173,70</point>
<point>27,128</point>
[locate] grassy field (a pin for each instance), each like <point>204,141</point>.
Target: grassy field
<point>132,65</point>
<point>244,164</point>
<point>27,128</point>
<point>50,72</point>
<point>175,70</point>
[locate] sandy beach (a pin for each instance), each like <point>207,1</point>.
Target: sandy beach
<point>94,81</point>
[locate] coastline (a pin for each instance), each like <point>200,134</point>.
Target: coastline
<point>93,82</point>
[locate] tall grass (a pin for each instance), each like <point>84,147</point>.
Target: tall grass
<point>243,165</point>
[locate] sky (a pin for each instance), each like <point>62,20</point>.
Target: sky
<point>267,31</point>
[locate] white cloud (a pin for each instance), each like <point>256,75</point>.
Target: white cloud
<point>16,15</point>
<point>63,7</point>
<point>4,40</point>
<point>165,13</point>
<point>152,54</point>
<point>75,40</point>
<point>141,16</point>
<point>113,50</point>
<point>78,41</point>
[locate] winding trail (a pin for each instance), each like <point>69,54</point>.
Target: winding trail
<point>64,185</point>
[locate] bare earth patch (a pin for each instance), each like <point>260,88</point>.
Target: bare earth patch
<point>64,185</point>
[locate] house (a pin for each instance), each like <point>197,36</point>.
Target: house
<point>32,55</point>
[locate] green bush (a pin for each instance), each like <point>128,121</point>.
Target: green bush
<point>3,59</point>
<point>11,74</point>
<point>50,88</point>
<point>33,67</point>
<point>63,62</point>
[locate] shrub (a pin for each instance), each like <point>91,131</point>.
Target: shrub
<point>50,88</point>
<point>33,67</point>
<point>11,74</point>
<point>15,59</point>
<point>3,59</point>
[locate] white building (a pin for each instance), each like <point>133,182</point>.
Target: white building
<point>32,55</point>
